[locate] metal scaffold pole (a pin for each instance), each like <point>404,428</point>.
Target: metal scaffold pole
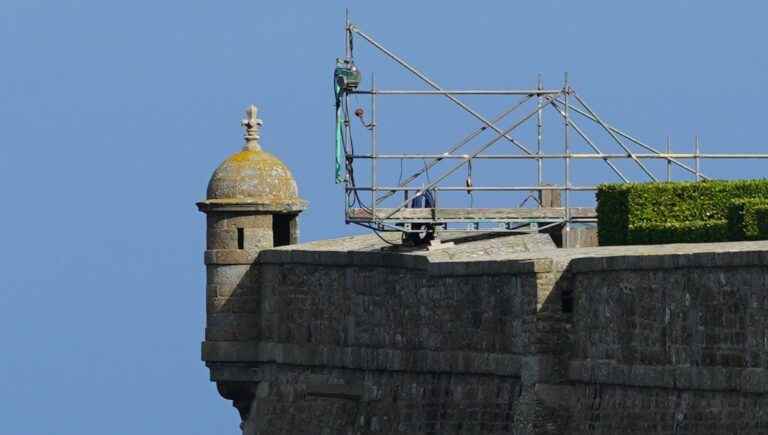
<point>539,135</point>
<point>696,151</point>
<point>374,183</point>
<point>669,162</point>
<point>566,145</point>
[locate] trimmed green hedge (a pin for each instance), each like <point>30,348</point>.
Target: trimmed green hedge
<point>761,218</point>
<point>621,207</point>
<point>678,232</point>
<point>742,219</point>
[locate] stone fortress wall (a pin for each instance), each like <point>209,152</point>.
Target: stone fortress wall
<point>507,335</point>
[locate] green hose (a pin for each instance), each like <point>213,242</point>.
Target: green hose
<point>339,136</point>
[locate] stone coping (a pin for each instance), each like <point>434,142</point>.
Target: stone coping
<point>578,260</point>
<point>572,262</point>
<point>376,259</point>
<point>669,261</point>
<point>416,262</point>
<point>674,256</point>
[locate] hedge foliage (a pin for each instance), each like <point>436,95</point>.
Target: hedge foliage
<point>761,218</point>
<point>634,206</point>
<point>678,232</point>
<point>742,218</point>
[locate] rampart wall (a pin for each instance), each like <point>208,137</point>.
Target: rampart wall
<point>666,340</point>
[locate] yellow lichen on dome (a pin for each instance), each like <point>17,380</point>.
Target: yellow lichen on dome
<point>242,156</point>
<point>253,176</point>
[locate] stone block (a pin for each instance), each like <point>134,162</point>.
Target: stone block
<point>275,256</point>
<point>255,239</point>
<point>229,257</point>
<point>540,369</point>
<point>221,239</point>
<point>754,380</point>
<point>580,371</point>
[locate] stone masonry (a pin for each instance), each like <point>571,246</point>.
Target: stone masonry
<point>495,336</point>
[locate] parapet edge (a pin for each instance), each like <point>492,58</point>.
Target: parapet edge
<point>406,261</point>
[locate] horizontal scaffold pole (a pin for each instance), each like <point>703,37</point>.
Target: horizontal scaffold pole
<point>529,92</point>
<point>588,156</point>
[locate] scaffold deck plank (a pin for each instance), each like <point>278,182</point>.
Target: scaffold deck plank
<point>472,213</point>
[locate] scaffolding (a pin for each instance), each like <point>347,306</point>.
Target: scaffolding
<point>383,209</point>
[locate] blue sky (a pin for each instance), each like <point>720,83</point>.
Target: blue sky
<point>113,115</point>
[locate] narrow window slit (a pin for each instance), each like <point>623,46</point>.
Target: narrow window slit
<point>240,238</point>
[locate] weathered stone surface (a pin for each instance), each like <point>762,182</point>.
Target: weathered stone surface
<point>338,401</point>
<point>492,337</point>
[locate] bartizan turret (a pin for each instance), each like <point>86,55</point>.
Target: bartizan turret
<point>252,204</point>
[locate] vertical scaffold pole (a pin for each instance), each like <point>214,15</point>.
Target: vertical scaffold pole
<point>373,146</point>
<point>697,149</point>
<point>669,162</point>
<point>539,138</point>
<point>347,37</point>
<point>566,234</point>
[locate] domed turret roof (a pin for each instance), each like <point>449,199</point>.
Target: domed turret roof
<point>253,178</point>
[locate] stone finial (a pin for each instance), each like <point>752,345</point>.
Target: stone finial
<point>252,126</point>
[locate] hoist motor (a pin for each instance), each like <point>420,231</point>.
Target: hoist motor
<point>346,74</point>
<point>346,77</point>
